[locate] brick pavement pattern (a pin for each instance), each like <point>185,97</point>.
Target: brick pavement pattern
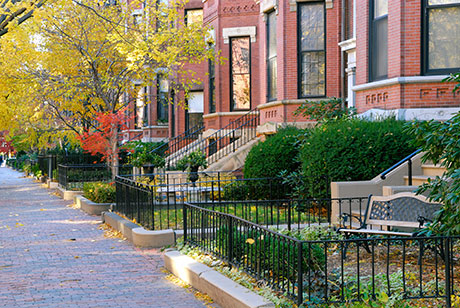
<point>52,255</point>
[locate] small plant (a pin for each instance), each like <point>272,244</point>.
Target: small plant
<point>99,192</point>
<point>55,174</point>
<point>325,110</point>
<point>146,154</point>
<point>192,163</point>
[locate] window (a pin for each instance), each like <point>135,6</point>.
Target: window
<point>194,17</point>
<point>378,40</point>
<point>312,49</point>
<point>162,99</point>
<point>141,108</point>
<point>194,114</point>
<point>240,73</point>
<point>212,86</point>
<point>271,56</point>
<point>441,36</point>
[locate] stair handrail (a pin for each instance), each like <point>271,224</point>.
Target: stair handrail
<point>407,159</point>
<point>202,145</point>
<point>226,135</point>
<point>197,129</point>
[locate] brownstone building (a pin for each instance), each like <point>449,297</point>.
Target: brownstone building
<point>381,56</point>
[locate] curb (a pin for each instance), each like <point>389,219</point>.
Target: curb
<point>138,235</point>
<point>90,207</point>
<point>221,289</point>
<point>68,194</point>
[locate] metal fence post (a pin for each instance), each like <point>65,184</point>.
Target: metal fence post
<point>184,218</point>
<point>448,269</point>
<point>299,273</point>
<point>230,240</point>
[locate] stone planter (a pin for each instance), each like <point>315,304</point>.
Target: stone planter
<point>91,207</point>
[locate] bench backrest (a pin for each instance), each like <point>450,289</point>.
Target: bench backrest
<point>399,210</point>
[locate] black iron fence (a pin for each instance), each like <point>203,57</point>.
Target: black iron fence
<point>47,165</point>
<point>72,177</point>
<point>331,271</point>
<point>264,201</point>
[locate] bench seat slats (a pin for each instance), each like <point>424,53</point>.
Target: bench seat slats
<point>375,232</point>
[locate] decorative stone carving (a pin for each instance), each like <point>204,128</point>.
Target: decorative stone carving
<point>377,98</point>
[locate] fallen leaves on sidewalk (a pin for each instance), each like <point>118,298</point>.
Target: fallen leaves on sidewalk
<point>200,296</point>
<point>109,232</point>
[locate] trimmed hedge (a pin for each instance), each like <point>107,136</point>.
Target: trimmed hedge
<point>353,150</point>
<point>276,154</point>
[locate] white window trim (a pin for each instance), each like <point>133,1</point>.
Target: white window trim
<point>227,33</point>
<point>293,4</point>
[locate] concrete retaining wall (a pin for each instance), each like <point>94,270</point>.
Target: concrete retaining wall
<point>91,207</point>
<point>68,194</point>
<point>138,235</point>
<point>221,289</point>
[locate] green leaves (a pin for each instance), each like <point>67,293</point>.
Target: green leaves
<point>354,149</point>
<point>441,143</point>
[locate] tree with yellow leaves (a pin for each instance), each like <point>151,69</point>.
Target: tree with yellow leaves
<point>77,59</point>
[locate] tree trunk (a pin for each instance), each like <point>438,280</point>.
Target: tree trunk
<point>113,157</point>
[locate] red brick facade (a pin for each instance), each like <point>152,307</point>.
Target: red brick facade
<point>406,86</point>
<point>348,55</point>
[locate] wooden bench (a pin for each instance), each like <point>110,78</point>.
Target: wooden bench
<point>402,214</point>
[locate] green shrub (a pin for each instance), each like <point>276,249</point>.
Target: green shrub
<point>55,174</point>
<point>353,150</point>
<point>99,192</point>
<point>277,153</point>
<point>324,110</point>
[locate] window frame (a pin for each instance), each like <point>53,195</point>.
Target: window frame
<point>425,39</point>
<point>159,104</point>
<point>212,86</point>
<point>188,10</point>
<point>187,113</point>
<point>232,105</point>
<point>299,50</point>
<point>371,37</point>
<point>267,60</point>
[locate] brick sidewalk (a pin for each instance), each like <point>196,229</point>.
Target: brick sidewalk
<point>55,256</point>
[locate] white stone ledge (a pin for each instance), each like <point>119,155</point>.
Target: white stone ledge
<point>398,80</point>
<point>221,289</point>
<point>68,194</point>
<point>90,207</point>
<point>138,235</point>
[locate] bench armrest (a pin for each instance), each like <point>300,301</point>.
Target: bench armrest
<point>422,220</point>
<point>345,216</point>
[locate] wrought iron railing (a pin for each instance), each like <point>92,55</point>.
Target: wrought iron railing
<point>265,201</point>
<point>407,159</point>
<point>222,142</point>
<point>180,141</point>
<point>330,271</point>
<point>73,177</point>
<point>47,164</point>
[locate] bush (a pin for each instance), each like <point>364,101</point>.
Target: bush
<point>324,110</point>
<point>354,149</point>
<point>99,192</point>
<point>276,154</point>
